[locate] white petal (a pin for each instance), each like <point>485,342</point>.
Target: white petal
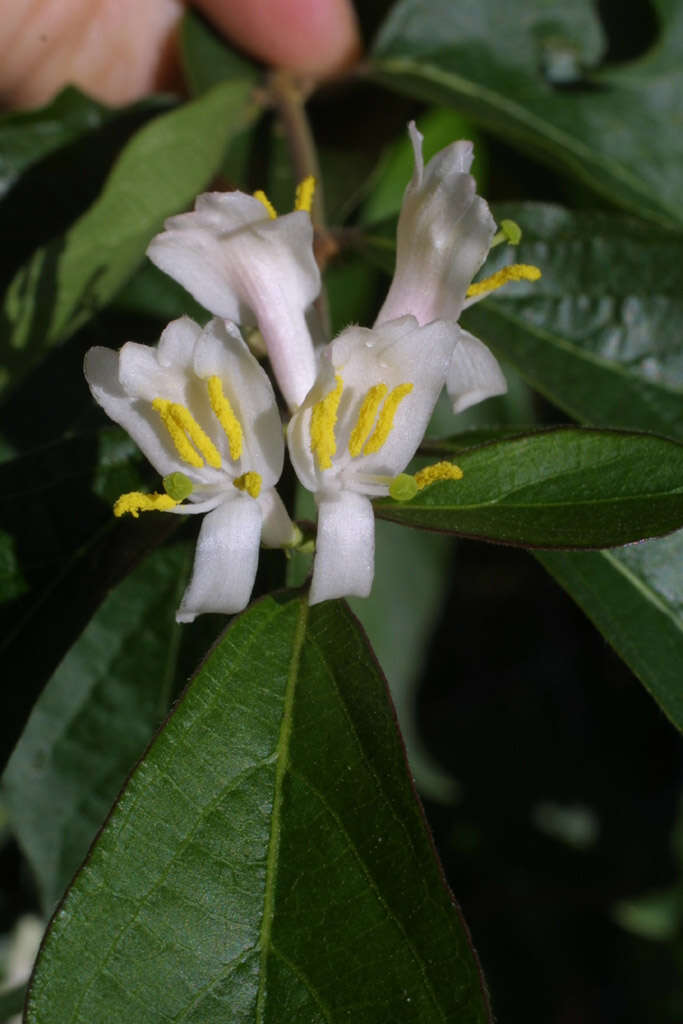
<point>393,355</point>
<point>221,351</point>
<point>474,373</point>
<point>345,548</point>
<point>243,266</point>
<point>444,233</point>
<point>101,368</point>
<point>225,561</point>
<point>278,529</point>
<point>176,344</point>
<point>195,258</point>
<point>298,429</point>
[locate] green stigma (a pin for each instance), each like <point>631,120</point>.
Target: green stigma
<point>178,486</point>
<point>509,232</point>
<point>403,487</point>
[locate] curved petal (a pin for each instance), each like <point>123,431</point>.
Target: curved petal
<point>394,354</point>
<point>221,352</point>
<point>444,233</point>
<point>345,548</point>
<point>101,368</point>
<point>278,529</point>
<point>225,561</point>
<point>246,267</point>
<point>176,344</point>
<point>194,258</point>
<point>474,373</point>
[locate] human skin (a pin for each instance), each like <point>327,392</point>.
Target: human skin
<point>118,50</point>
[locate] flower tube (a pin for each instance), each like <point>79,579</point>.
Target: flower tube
<point>444,234</point>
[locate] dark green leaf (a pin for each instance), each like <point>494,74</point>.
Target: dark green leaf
<point>208,59</point>
<point>28,136</point>
<point>159,172</point>
<point>93,720</point>
<point>568,487</point>
<point>635,598</point>
<point>267,860</point>
<point>595,333</point>
<point>62,551</point>
<point>472,438</point>
<point>12,1002</point>
<point>532,79</point>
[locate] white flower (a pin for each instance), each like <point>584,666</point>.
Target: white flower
<point>358,428</point>
<point>203,412</point>
<point>243,263</point>
<point>445,231</point>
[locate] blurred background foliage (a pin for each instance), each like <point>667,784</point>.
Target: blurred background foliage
<point>551,779</point>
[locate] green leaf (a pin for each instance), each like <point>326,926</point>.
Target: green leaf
<point>93,720</point>
<point>12,1002</point>
<point>207,59</point>
<point>567,487</point>
<point>635,598</point>
<point>594,334</point>
<point>62,551</point>
<point>535,81</point>
<point>28,136</point>
<point>159,172</point>
<point>267,860</point>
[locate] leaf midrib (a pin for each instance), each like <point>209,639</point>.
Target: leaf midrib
<point>282,764</point>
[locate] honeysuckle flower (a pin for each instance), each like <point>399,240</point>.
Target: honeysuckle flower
<point>245,264</point>
<point>358,428</point>
<point>203,412</point>
<point>445,231</point>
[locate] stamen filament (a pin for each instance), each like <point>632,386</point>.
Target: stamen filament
<point>323,421</point>
<point>515,272</point>
<point>265,201</point>
<point>385,420</point>
<point>226,417</point>
<point>366,418</point>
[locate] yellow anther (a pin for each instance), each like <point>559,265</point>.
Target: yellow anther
<point>249,482</point>
<point>265,201</point>
<point>366,418</point>
<point>515,272</point>
<point>180,423</point>
<point>136,502</point>
<point>385,420</point>
<point>226,417</point>
<point>323,420</point>
<point>304,194</point>
<point>439,471</point>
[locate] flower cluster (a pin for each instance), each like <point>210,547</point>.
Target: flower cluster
<point>203,411</point>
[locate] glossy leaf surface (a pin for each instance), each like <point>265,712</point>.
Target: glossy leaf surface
<point>28,136</point>
<point>267,860</point>
<point>159,172</point>
<point>93,720</point>
<point>566,487</point>
<point>635,598</point>
<point>594,333</point>
<point>536,81</point>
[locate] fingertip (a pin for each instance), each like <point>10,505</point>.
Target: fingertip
<point>315,37</point>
